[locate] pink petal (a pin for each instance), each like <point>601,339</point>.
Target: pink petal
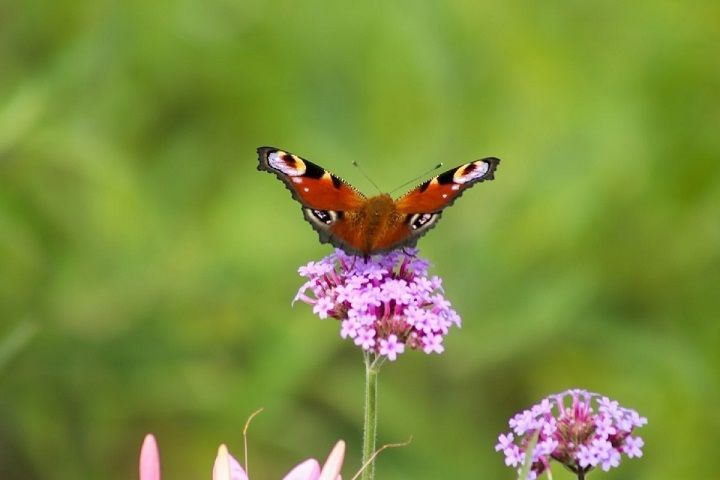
<point>226,467</point>
<point>149,459</point>
<point>333,464</point>
<point>307,470</point>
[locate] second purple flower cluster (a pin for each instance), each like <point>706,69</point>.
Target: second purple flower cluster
<point>579,429</point>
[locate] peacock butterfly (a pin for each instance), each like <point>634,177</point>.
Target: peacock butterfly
<point>348,220</point>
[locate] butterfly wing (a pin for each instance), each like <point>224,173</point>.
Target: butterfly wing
<point>325,198</point>
<point>421,208</point>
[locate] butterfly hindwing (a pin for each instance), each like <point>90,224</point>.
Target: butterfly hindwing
<point>325,198</point>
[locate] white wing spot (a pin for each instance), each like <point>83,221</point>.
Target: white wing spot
<point>306,189</point>
<point>422,221</point>
<point>297,179</point>
<point>444,195</point>
<point>455,187</point>
<point>277,161</point>
<point>480,169</point>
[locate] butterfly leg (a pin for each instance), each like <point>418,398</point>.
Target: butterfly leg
<point>409,253</point>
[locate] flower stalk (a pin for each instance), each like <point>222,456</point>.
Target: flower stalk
<point>370,422</point>
<point>385,304</point>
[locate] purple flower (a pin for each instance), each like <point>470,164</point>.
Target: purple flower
<point>323,307</point>
<point>523,422</point>
<point>384,304</point>
<point>433,343</point>
<point>513,456</point>
<point>586,457</point>
<point>504,441</point>
<point>632,446</point>
<point>366,339</point>
<point>390,347</point>
<point>579,429</point>
<point>604,426</point>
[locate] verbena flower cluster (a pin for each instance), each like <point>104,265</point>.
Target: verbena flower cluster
<point>384,303</point>
<point>579,429</point>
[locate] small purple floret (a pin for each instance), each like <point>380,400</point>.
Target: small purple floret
<point>390,347</point>
<point>576,428</point>
<point>632,447</point>
<point>384,303</point>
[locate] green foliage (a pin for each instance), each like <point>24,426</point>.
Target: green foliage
<point>158,266</point>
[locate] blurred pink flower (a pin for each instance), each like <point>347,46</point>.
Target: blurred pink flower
<point>310,468</point>
<point>149,459</point>
<point>226,467</point>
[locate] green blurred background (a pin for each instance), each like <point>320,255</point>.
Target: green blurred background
<point>147,268</point>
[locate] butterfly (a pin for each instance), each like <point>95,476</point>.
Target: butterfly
<point>362,225</point>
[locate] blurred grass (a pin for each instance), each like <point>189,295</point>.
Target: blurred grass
<point>158,265</point>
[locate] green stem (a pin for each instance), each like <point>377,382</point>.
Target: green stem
<point>370,423</point>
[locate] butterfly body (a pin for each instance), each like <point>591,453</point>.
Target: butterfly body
<point>360,225</point>
<point>370,224</point>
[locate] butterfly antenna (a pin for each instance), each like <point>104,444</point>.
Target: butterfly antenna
<point>356,164</point>
<point>414,180</point>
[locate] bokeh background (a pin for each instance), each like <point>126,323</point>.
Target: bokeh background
<point>147,268</point>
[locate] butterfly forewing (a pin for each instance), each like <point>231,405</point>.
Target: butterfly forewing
<point>441,191</point>
<point>422,207</point>
<point>327,201</point>
<point>310,184</point>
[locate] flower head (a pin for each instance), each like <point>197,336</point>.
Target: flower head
<point>579,429</point>
<point>384,303</point>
